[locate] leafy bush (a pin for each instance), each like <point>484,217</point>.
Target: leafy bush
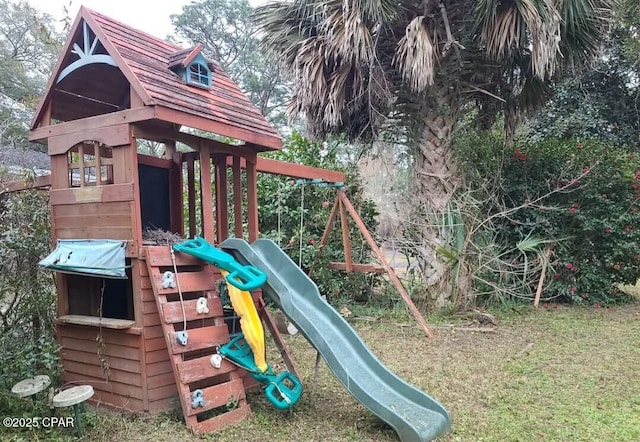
<point>27,296</point>
<point>281,205</point>
<point>579,200</point>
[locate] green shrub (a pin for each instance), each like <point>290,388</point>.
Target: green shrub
<point>27,296</point>
<point>280,208</point>
<point>581,197</point>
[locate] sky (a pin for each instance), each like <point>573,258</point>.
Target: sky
<point>151,16</point>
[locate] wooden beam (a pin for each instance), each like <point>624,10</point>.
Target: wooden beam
<point>264,140</point>
<point>370,268</point>
<point>81,162</point>
<point>206,194</point>
<point>327,231</point>
<point>392,274</point>
<point>329,225</point>
<point>215,146</point>
<point>132,170</point>
<point>98,158</point>
<point>222,198</point>
<point>154,132</point>
<point>176,194</point>
<point>118,324</point>
<point>284,168</point>
<point>18,185</point>
<point>116,135</point>
<point>162,134</point>
<point>191,196</point>
<point>252,199</point>
<point>148,160</point>
<point>346,241</point>
<point>237,198</point>
<point>60,171</point>
<point>266,317</point>
<point>111,119</point>
<point>170,149</point>
<point>134,99</point>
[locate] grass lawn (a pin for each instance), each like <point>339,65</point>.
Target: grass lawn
<point>558,374</point>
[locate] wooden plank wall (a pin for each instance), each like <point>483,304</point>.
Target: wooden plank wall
<point>160,381</point>
<point>122,352</point>
<point>111,220</point>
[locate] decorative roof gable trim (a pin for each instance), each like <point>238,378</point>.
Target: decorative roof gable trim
<point>184,57</point>
<point>86,54</point>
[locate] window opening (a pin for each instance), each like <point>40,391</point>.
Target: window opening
<point>199,74</point>
<point>90,164</point>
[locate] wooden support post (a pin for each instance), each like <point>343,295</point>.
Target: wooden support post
<point>96,155</point>
<point>275,333</point>
<point>392,274</point>
<point>206,194</point>
<point>327,231</point>
<point>222,198</point>
<point>237,198</point>
<point>329,226</point>
<point>252,198</point>
<point>170,149</point>
<point>133,177</point>
<point>344,222</point>
<point>81,163</point>
<point>176,194</point>
<point>191,195</point>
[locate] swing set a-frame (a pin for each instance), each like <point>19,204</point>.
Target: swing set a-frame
<point>343,206</point>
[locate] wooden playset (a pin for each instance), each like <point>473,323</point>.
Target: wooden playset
<point>113,88</point>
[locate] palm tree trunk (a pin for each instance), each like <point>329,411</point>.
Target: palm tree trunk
<point>436,178</point>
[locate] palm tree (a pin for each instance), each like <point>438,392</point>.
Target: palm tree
<point>364,66</point>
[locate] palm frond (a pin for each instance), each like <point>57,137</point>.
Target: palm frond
<point>520,26</point>
<point>534,94</point>
<point>545,40</point>
<point>584,23</point>
<point>415,56</point>
<point>377,11</point>
<point>348,34</point>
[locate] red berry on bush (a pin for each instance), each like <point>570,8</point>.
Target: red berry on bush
<point>572,210</point>
<point>607,230</point>
<point>569,266</point>
<point>585,170</point>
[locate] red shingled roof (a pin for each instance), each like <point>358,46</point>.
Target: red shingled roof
<point>145,61</point>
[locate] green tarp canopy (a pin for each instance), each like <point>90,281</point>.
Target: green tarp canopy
<point>89,257</point>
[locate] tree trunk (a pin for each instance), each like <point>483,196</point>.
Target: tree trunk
<point>436,178</point>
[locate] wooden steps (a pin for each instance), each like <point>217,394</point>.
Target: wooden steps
<point>224,391</point>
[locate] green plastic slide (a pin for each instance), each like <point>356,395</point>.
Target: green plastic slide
<point>413,414</point>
